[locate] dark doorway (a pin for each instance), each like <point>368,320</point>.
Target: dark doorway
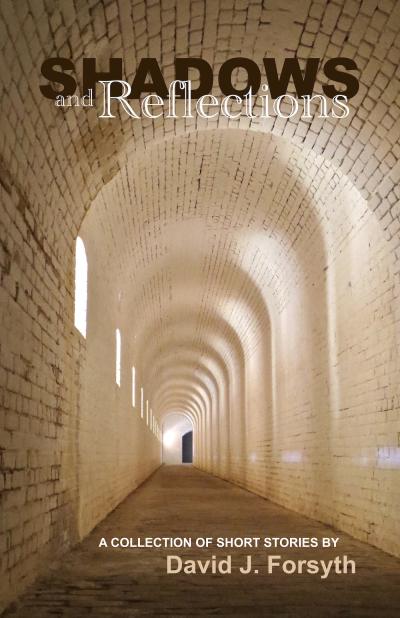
<point>187,447</point>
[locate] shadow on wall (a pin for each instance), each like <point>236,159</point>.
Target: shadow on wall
<point>175,427</point>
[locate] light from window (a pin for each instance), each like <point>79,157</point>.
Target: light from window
<point>133,387</point>
<point>141,402</point>
<point>118,357</point>
<point>81,271</point>
<point>147,411</point>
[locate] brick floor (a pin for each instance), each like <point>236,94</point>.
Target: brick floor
<point>182,501</point>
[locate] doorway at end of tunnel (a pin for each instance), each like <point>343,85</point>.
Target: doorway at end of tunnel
<point>187,448</point>
<point>177,440</point>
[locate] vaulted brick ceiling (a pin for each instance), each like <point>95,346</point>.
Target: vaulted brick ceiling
<point>81,153</point>
<point>206,237</point>
<point>199,224</point>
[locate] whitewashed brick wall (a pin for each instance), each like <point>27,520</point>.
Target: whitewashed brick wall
<point>251,265</point>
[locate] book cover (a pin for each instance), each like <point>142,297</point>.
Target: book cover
<point>199,305</point>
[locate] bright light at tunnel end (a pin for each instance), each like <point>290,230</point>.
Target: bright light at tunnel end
<point>168,438</point>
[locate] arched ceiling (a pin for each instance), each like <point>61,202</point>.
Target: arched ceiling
<point>204,227</point>
<point>204,251</point>
<point>62,158</point>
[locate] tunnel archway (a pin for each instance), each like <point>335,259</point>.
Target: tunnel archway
<point>229,284</point>
<point>176,445</point>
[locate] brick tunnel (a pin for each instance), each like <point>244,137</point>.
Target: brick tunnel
<point>231,286</point>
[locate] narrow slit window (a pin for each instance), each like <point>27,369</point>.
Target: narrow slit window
<point>118,357</point>
<point>141,402</point>
<point>133,387</point>
<point>81,277</point>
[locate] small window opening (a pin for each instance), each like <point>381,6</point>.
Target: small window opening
<point>81,277</point>
<point>133,387</point>
<point>118,357</point>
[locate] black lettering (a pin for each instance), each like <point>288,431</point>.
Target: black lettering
<point>225,76</point>
<point>350,81</point>
<point>59,77</point>
<point>91,77</point>
<point>148,66</point>
<point>205,71</point>
<point>304,84</point>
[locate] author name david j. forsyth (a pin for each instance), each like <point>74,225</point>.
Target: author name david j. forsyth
<point>340,565</point>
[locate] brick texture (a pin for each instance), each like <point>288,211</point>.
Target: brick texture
<point>253,269</point>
